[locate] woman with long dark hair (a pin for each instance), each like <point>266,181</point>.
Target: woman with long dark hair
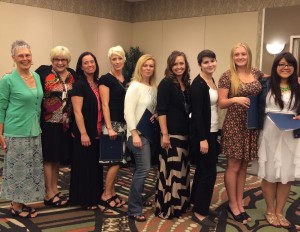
<point>173,101</point>
<point>86,184</point>
<point>279,156</point>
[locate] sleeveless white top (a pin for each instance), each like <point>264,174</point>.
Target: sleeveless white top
<point>214,125</point>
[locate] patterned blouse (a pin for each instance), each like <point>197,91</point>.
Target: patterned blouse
<point>57,105</point>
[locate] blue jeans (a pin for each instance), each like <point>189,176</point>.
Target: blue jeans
<point>142,158</point>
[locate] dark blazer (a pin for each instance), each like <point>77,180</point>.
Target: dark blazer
<point>200,109</point>
<point>172,103</point>
<point>89,108</point>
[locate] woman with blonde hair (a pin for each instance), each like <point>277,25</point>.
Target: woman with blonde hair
<point>141,95</point>
<point>57,80</point>
<point>238,143</point>
<point>112,87</point>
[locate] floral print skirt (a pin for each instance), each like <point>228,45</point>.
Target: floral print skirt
<point>23,176</point>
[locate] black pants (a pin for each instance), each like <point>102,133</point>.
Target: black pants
<point>205,176</point>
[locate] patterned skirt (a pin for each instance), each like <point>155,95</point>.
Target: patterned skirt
<point>120,129</point>
<point>23,176</point>
<point>173,185</point>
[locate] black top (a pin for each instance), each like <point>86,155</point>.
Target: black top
<point>117,92</point>
<point>200,108</point>
<point>89,108</point>
<point>173,103</point>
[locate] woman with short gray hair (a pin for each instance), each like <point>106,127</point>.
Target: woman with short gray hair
<point>21,95</point>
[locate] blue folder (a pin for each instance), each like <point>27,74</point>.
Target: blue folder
<point>284,121</point>
<point>146,127</point>
<point>111,150</point>
<point>252,113</point>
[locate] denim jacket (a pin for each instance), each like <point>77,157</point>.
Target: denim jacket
<point>265,83</point>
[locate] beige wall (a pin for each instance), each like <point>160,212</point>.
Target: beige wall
<point>218,33</point>
<point>279,25</point>
<point>44,29</point>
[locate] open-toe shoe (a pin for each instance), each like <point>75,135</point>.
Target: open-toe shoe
<point>30,213</point>
<point>204,222</point>
<point>61,202</point>
<point>118,200</point>
<point>283,221</point>
<point>111,203</point>
<point>272,219</point>
<point>238,218</point>
<point>138,218</point>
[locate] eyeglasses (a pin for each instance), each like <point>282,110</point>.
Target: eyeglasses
<point>61,60</point>
<point>285,65</point>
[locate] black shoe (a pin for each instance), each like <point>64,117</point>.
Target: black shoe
<point>214,213</point>
<point>204,222</point>
<point>238,218</point>
<point>246,216</point>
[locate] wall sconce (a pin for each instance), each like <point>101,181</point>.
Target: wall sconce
<point>275,48</point>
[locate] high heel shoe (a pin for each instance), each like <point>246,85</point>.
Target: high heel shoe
<point>238,218</point>
<point>246,216</point>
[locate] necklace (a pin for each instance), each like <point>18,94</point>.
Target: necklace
<point>26,78</point>
<point>285,89</point>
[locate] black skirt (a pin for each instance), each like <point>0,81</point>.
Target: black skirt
<point>86,186</point>
<point>56,143</point>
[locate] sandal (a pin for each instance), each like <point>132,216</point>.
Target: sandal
<point>63,197</point>
<point>271,219</point>
<point>138,218</point>
<point>25,209</point>
<point>93,207</point>
<point>204,222</point>
<point>283,221</point>
<point>118,200</point>
<point>147,204</point>
<point>107,203</point>
<point>58,203</point>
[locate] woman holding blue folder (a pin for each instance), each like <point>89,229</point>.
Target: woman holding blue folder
<point>140,96</point>
<point>238,143</point>
<point>279,156</point>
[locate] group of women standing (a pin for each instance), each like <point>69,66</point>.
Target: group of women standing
<point>110,106</point>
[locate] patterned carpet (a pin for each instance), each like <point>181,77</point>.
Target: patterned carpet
<point>75,219</point>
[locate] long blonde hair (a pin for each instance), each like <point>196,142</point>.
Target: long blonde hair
<point>235,81</point>
<point>137,75</point>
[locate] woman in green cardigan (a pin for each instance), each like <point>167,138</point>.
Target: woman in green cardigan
<point>20,106</point>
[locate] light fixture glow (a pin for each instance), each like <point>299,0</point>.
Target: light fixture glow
<point>275,48</point>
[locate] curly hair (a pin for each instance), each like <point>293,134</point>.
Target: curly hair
<point>170,63</point>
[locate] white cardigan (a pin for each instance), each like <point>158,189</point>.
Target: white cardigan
<point>138,97</point>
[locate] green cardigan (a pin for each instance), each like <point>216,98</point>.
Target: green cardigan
<point>20,108</point>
